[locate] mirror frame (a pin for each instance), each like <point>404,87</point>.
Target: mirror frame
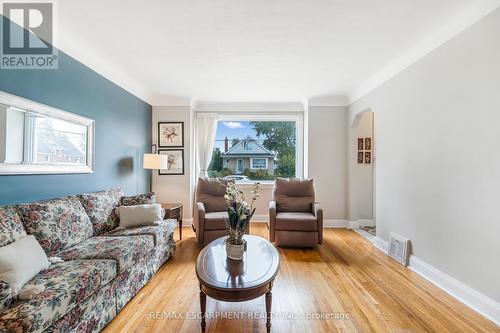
<point>42,169</point>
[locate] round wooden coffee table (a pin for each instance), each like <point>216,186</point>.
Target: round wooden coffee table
<point>237,281</point>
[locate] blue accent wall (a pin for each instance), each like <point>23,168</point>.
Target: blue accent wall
<point>122,125</point>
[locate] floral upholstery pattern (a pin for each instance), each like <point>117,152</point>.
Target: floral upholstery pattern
<point>5,295</point>
<point>158,230</point>
<point>126,251</point>
<point>57,224</point>
<point>90,316</point>
<point>140,199</point>
<point>129,282</point>
<point>11,225</point>
<point>65,284</point>
<point>101,208</point>
<point>163,234</point>
<point>99,275</point>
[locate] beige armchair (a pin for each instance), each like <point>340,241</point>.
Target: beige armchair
<point>210,210</point>
<point>295,218</point>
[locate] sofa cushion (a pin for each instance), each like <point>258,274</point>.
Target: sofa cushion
<point>101,208</point>
<point>215,220</point>
<point>139,199</point>
<point>296,222</point>
<point>159,230</point>
<point>293,195</point>
<point>211,193</point>
<point>57,224</point>
<point>11,225</point>
<point>126,251</point>
<point>64,285</point>
<point>5,295</point>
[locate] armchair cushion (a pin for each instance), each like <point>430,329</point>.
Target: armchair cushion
<point>211,193</point>
<point>215,220</point>
<point>296,221</point>
<point>293,195</point>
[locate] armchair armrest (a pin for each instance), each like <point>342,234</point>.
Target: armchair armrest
<point>199,221</point>
<point>318,213</point>
<point>272,220</point>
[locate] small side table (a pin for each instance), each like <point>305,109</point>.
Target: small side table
<point>174,211</point>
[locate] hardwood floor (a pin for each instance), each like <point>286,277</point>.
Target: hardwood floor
<point>346,278</point>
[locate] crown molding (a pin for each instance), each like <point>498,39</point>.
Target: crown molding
<point>209,106</point>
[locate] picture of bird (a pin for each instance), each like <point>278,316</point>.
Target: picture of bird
<point>170,134</point>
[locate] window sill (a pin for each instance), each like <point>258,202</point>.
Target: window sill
<point>249,184</point>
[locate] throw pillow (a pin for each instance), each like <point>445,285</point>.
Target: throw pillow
<point>20,261</point>
<point>140,215</point>
<point>139,199</point>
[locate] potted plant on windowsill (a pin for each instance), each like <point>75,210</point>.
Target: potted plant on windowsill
<point>239,215</point>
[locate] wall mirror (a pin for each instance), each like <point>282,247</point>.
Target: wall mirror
<point>39,139</point>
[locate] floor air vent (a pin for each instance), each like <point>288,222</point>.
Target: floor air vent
<point>399,248</point>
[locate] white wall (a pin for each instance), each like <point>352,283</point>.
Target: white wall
<point>174,188</point>
<point>438,166</point>
<point>328,159</point>
<point>360,175</point>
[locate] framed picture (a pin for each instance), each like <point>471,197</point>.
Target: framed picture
<point>170,134</point>
<point>360,157</point>
<point>368,143</point>
<point>368,157</point>
<point>360,143</point>
<point>175,161</point>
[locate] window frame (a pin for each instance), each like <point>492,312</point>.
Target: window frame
<point>297,117</point>
<point>259,158</point>
<point>26,105</point>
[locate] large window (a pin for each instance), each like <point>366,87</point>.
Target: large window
<point>255,150</point>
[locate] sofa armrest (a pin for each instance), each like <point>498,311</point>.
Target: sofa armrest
<point>272,220</point>
<point>199,221</point>
<point>318,212</point>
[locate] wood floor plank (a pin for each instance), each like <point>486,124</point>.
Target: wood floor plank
<point>346,278</point>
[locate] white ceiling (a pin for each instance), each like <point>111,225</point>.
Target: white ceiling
<point>328,51</point>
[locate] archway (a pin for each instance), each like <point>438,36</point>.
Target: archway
<point>362,165</point>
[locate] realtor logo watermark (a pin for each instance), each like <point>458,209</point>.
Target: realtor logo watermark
<point>28,35</point>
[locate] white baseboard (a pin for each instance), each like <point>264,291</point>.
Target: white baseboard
<point>335,223</point>
<point>381,244</point>
<point>465,294</point>
<point>360,223</point>
<point>264,218</point>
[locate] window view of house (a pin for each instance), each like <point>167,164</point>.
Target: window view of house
<point>254,150</point>
<point>59,142</point>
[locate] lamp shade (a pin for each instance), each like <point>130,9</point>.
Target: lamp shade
<point>155,161</point>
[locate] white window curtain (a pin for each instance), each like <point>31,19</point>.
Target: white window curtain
<point>206,128</point>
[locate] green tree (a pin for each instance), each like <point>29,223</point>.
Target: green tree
<point>234,142</point>
<point>286,166</point>
<point>279,137</point>
<point>216,162</point>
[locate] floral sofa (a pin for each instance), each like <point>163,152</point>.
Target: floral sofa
<point>102,266</point>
